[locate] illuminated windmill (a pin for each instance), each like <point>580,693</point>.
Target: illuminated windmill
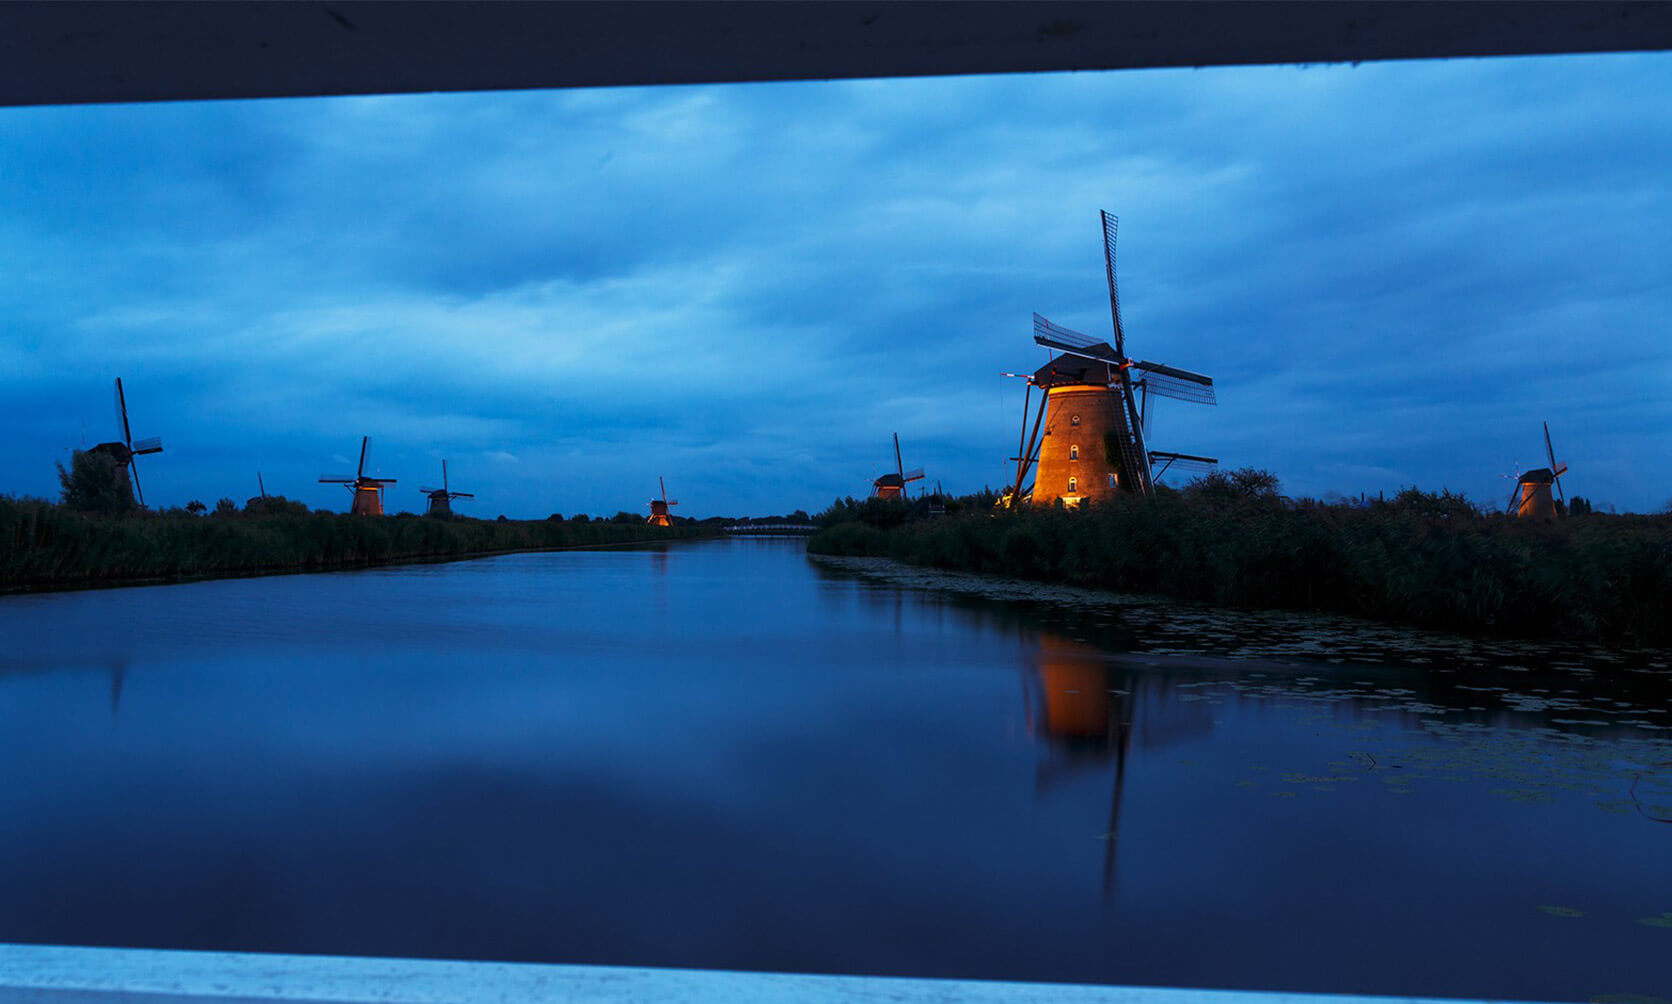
<point>441,499</point>
<point>124,451</point>
<point>368,492</point>
<point>1094,410</point>
<point>893,486</point>
<point>1532,498</point>
<point>659,507</point>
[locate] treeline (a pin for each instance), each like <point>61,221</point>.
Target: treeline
<point>50,546</point>
<point>1421,558</point>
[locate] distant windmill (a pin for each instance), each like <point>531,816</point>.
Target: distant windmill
<point>893,486</point>
<point>126,450</point>
<point>256,502</point>
<point>659,507</point>
<point>1094,409</point>
<point>1532,498</point>
<point>441,499</point>
<point>368,492</point>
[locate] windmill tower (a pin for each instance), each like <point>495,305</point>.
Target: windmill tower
<point>1094,410</point>
<point>1532,498</point>
<point>441,499</point>
<point>368,492</point>
<point>125,450</point>
<point>893,486</point>
<point>659,507</point>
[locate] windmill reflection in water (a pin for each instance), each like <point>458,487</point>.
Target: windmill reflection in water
<point>1087,707</point>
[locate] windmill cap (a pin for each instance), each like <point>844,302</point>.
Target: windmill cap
<point>1066,371</point>
<point>1538,476</point>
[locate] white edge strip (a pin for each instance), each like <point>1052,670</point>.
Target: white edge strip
<point>50,974</point>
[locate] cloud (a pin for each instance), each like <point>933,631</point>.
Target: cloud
<point>1395,272</point>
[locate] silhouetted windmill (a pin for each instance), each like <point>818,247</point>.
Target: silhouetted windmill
<point>893,486</point>
<point>1532,496</point>
<point>368,492</point>
<point>257,501</point>
<point>1094,410</point>
<point>659,507</point>
<point>126,450</point>
<point>441,499</point>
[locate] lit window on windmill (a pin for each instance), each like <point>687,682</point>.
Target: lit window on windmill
<point>1073,485</point>
<point>1074,453</point>
<point>1074,420</point>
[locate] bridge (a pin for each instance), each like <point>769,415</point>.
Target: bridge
<point>772,529</point>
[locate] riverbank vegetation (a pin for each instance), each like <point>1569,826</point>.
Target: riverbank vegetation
<point>47,546</point>
<point>1429,559</point>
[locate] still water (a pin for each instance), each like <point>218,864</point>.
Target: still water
<point>725,754</point>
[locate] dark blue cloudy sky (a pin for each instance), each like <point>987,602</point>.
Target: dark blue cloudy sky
<point>1394,272</point>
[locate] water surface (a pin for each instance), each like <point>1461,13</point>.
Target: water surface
<point>725,755</point>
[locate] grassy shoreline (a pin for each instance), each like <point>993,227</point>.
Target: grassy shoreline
<point>1431,561</point>
<point>45,547</point>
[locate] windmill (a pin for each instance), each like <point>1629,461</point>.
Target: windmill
<point>124,451</point>
<point>1532,497</point>
<point>1094,408</point>
<point>368,492</point>
<point>659,507</point>
<point>258,501</point>
<point>441,499</point>
<point>893,486</point>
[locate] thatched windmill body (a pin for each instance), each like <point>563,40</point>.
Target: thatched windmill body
<point>659,515</point>
<point>368,492</point>
<point>1533,498</point>
<point>441,499</point>
<point>125,450</point>
<point>1094,409</point>
<point>893,486</point>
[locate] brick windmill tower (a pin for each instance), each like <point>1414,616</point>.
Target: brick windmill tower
<point>1532,498</point>
<point>893,486</point>
<point>441,499</point>
<point>124,450</point>
<point>1094,409</point>
<point>659,507</point>
<point>368,492</point>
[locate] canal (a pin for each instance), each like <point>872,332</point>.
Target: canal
<point>726,754</point>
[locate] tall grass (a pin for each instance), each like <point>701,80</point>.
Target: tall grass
<point>1424,559</point>
<point>45,546</point>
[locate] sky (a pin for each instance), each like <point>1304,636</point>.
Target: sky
<point>1393,271</point>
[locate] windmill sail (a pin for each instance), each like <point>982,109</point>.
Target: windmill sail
<point>1180,385</point>
<point>1110,226</point>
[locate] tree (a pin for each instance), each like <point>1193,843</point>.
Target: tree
<point>225,507</point>
<point>1579,505</point>
<point>96,483</point>
<point>196,508</point>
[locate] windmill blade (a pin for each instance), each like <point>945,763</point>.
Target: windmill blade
<point>361,470</point>
<point>144,446</point>
<point>1181,385</point>
<point>336,479</point>
<point>444,475</point>
<point>1055,336</point>
<point>460,495</point>
<point>431,491</point>
<point>664,486</point>
<point>1548,451</point>
<point>133,468</point>
<point>122,412</point>
<point>1110,226</point>
<point>899,468</point>
<point>915,474</point>
<point>378,481</point>
<point>261,484</point>
<point>674,502</point>
<point>1182,462</point>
